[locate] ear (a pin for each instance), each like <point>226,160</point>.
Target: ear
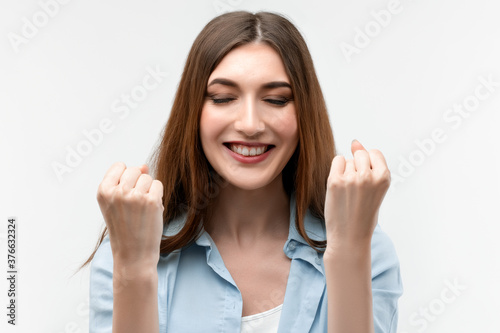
<point>356,145</point>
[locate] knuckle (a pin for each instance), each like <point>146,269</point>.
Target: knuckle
<point>385,177</point>
<point>103,194</point>
<point>386,173</point>
<point>350,178</point>
<point>118,191</point>
<point>159,183</point>
<point>359,153</point>
<point>147,176</point>
<point>335,181</point>
<point>364,176</point>
<point>150,200</point>
<point>99,192</point>
<point>120,164</point>
<point>132,198</point>
<point>153,201</point>
<point>99,197</point>
<point>352,182</point>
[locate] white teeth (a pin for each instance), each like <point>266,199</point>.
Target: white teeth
<point>245,151</point>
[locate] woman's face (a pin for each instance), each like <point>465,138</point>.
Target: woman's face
<point>248,123</point>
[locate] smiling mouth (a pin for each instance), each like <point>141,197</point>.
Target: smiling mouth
<point>245,150</point>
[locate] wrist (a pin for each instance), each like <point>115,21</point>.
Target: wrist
<point>140,271</point>
<point>137,260</point>
<point>336,249</point>
<point>139,285</point>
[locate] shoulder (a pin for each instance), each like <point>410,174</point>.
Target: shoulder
<point>101,266</point>
<point>103,256</point>
<point>384,253</point>
<point>101,289</point>
<point>387,285</point>
<point>386,273</point>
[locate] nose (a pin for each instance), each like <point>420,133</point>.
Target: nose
<point>249,121</point>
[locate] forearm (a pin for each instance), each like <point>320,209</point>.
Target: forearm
<point>135,300</point>
<point>348,282</point>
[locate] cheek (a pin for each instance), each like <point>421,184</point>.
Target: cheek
<point>287,126</point>
<point>209,126</point>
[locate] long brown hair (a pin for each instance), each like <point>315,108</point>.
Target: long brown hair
<point>179,162</point>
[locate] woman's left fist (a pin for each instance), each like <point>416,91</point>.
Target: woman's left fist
<point>355,190</point>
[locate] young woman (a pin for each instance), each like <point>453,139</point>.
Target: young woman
<point>250,222</point>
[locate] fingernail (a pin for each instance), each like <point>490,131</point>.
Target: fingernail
<point>354,141</point>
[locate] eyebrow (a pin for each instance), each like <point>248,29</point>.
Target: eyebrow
<point>269,85</point>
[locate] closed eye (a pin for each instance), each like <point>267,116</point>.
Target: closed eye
<point>222,100</point>
<point>278,102</point>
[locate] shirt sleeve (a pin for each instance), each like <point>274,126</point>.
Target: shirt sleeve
<point>101,289</point>
<point>387,285</point>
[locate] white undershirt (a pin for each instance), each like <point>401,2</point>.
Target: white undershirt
<point>264,322</point>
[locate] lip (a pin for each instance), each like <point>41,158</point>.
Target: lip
<point>250,144</point>
<point>248,159</point>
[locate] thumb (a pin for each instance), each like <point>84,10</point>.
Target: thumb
<point>356,145</point>
<point>144,168</point>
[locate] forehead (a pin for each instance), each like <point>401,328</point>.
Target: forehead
<point>251,62</point>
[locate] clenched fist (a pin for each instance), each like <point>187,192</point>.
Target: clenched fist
<point>355,190</point>
<point>131,204</point>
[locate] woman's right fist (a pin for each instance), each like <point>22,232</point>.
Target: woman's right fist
<point>131,204</point>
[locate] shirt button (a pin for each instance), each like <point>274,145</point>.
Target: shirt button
<point>318,260</point>
<point>291,246</point>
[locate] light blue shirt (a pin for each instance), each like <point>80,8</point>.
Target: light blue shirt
<point>197,294</point>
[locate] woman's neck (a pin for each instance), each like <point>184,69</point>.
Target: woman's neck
<point>245,217</point>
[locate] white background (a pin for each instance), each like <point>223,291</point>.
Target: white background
<point>442,216</point>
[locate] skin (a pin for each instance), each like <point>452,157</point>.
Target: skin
<point>130,202</point>
<point>251,216</point>
<point>251,219</point>
<point>355,190</point>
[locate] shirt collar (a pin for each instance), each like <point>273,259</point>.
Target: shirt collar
<point>314,227</point>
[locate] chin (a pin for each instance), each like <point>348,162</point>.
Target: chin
<point>251,183</point>
<point>249,186</point>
